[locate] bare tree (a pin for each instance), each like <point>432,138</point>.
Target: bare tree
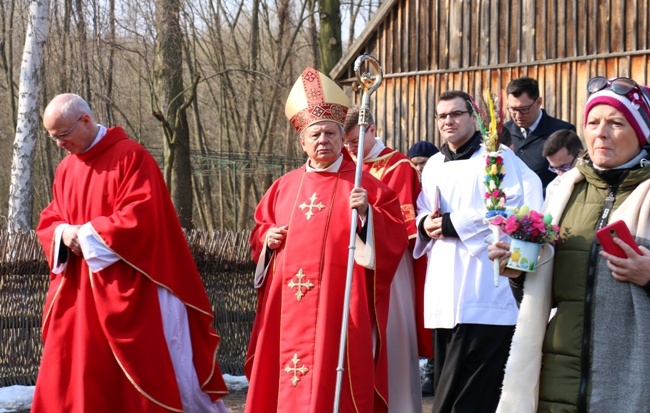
<point>202,188</point>
<point>170,107</point>
<point>232,61</point>
<point>355,8</point>
<point>110,67</point>
<point>6,54</point>
<point>312,28</point>
<point>331,49</point>
<point>84,51</point>
<point>21,189</point>
<point>254,46</point>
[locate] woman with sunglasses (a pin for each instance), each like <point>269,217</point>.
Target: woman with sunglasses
<point>594,354</point>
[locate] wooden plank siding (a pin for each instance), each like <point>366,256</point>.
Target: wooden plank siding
<point>428,46</point>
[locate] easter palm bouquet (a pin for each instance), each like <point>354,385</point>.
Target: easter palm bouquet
<point>490,124</point>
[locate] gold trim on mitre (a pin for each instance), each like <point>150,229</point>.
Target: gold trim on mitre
<point>315,98</point>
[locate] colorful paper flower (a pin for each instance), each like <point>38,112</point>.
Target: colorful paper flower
<point>528,225</point>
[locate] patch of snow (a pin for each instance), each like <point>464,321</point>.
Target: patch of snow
<point>16,398</point>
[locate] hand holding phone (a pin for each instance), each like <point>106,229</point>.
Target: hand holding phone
<point>619,230</point>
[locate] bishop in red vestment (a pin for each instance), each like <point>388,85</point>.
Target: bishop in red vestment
<point>300,242</point>
<point>105,347</point>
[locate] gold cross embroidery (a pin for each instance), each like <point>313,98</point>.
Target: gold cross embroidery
<point>312,205</point>
<point>295,370</point>
<point>307,284</point>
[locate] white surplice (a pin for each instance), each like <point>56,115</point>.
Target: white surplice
<point>459,287</point>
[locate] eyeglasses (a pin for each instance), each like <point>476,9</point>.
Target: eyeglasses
<point>522,109</point>
<point>453,115</point>
<point>66,133</point>
<point>563,168</point>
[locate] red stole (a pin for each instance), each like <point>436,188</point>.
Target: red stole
<point>395,170</point>
<point>104,347</point>
<point>293,352</point>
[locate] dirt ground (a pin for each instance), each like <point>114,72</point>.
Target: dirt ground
<point>236,401</point>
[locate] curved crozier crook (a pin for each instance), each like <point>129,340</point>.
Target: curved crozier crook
<point>366,79</point>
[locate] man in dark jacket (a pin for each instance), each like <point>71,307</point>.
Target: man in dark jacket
<point>531,125</point>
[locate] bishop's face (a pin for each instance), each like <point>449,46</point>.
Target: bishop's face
<point>322,142</point>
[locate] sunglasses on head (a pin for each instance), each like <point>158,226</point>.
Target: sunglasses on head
<point>620,85</point>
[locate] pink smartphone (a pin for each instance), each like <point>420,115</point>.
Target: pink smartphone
<point>616,229</point>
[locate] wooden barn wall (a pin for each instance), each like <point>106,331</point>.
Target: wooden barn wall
<point>428,46</point>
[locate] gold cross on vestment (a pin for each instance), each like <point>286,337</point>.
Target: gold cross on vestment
<point>312,205</point>
<point>307,284</point>
<point>295,370</point>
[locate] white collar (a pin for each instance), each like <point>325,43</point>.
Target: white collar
<point>376,149</point>
<point>101,132</point>
<point>334,167</point>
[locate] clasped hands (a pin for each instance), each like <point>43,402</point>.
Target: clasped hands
<point>71,240</point>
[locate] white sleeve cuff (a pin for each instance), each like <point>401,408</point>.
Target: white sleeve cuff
<point>364,253</point>
<point>97,255</point>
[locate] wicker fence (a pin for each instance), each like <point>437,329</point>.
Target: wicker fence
<point>223,259</point>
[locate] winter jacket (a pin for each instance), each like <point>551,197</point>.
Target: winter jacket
<point>574,363</point>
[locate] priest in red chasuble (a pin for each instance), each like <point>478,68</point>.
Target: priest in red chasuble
<point>407,337</point>
<point>300,243</point>
<point>127,325</point>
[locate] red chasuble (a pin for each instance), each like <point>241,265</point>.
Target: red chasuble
<point>293,352</point>
<point>104,346</point>
<point>396,170</point>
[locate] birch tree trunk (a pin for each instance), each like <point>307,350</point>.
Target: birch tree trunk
<point>21,196</point>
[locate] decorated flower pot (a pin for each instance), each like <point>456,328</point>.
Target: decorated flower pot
<point>524,255</point>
